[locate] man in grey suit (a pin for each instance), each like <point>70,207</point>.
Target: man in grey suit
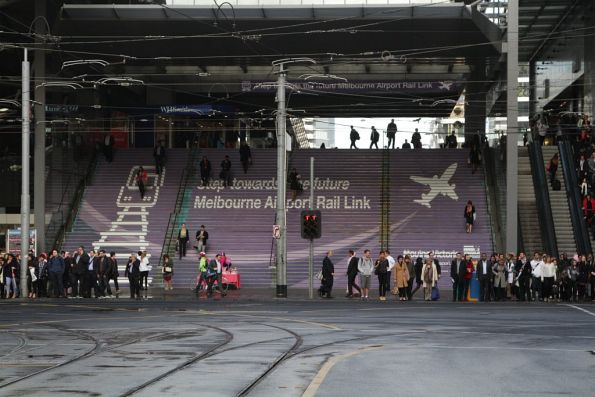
<point>484,275</point>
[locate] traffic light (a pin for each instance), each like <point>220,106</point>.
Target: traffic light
<point>311,224</point>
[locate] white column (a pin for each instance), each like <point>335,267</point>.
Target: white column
<point>512,114</point>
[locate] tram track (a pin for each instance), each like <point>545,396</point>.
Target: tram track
<point>185,364</point>
<point>89,353</point>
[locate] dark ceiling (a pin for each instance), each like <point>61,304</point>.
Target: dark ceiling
<point>202,54</point>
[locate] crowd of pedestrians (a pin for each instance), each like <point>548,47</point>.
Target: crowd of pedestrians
<point>82,274</point>
<point>391,132</point>
<point>403,273</point>
<point>499,278</point>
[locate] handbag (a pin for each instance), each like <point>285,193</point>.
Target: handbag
<point>435,293</point>
<point>33,276</point>
<point>318,275</point>
<point>167,269</point>
<point>394,291</point>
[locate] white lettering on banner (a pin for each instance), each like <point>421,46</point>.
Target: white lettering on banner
<point>271,184</point>
<point>220,201</point>
<point>134,213</point>
<point>321,202</point>
<point>443,255</point>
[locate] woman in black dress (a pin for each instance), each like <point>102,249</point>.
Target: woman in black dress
<point>469,216</point>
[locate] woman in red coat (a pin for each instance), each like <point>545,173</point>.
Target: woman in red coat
<point>468,275</point>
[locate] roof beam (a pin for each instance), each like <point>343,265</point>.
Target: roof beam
<point>556,26</point>
<point>537,14</point>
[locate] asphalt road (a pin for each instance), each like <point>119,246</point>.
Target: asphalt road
<point>295,348</point>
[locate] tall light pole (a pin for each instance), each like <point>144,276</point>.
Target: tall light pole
<point>25,198</point>
<point>281,185</point>
<point>281,251</point>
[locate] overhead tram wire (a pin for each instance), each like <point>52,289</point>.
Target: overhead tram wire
<point>332,20</point>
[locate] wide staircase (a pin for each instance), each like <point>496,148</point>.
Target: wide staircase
<point>527,205</point>
<point>560,210</point>
<point>348,191</point>
<point>239,219</point>
<point>422,221</point>
<point>113,217</point>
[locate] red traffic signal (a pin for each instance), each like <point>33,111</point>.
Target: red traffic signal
<point>311,225</point>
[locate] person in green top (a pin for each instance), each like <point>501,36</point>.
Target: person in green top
<point>202,269</point>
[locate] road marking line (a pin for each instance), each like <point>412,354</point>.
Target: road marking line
<point>328,365</point>
<point>581,309</point>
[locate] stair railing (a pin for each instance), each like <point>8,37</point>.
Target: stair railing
<point>385,200</point>
<point>492,199</point>
<point>542,196</point>
<point>581,233</point>
<point>169,240</point>
<point>74,204</point>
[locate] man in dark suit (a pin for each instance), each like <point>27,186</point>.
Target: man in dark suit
<point>484,276</point>
<point>462,271</point>
<point>102,274</point>
<point>454,276</point>
<point>133,273</point>
<point>78,272</point>
<point>352,274</point>
<point>92,275</point>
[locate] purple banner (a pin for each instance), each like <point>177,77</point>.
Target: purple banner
<point>357,86</point>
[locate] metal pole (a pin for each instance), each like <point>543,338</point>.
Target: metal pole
<point>25,199</point>
<point>281,187</point>
<point>39,153</point>
<point>512,113</point>
<point>311,257</point>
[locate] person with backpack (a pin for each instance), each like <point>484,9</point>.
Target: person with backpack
<point>365,266</point>
<point>353,136</point>
<point>374,138</point>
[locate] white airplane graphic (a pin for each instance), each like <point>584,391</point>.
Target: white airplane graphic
<point>445,85</point>
<point>438,185</point>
